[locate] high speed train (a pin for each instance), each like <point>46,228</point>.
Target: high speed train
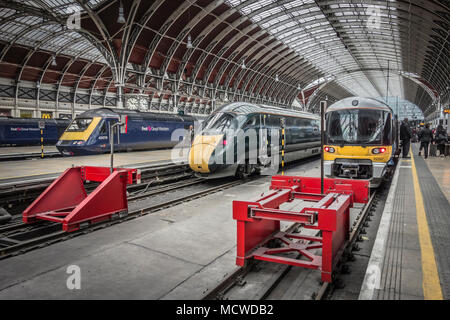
<point>242,138</point>
<point>361,139</point>
<point>88,133</point>
<point>26,132</point>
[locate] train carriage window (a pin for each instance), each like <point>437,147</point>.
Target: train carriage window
<point>79,124</point>
<point>103,129</point>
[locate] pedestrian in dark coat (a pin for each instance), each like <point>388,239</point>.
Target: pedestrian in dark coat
<point>425,137</point>
<point>441,139</point>
<point>405,137</point>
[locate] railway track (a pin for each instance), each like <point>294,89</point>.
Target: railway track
<point>19,238</point>
<point>23,192</point>
<point>30,155</point>
<point>238,278</point>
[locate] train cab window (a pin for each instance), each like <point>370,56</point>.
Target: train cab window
<point>79,124</point>
<point>220,121</point>
<point>356,126</point>
<point>252,122</point>
<point>387,132</point>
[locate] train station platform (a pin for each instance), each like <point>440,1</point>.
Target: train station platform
<point>174,253</point>
<point>18,153</point>
<point>51,168</point>
<point>411,255</point>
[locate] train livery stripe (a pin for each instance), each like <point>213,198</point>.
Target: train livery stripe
<point>201,151</point>
<point>84,135</point>
<point>430,281</point>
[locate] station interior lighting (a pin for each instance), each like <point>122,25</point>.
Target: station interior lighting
<point>121,17</point>
<point>189,42</point>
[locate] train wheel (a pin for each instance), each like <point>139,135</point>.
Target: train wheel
<point>240,171</point>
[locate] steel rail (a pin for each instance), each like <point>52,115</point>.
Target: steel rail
<point>30,155</point>
<point>47,239</point>
<point>355,230</point>
<point>239,274</point>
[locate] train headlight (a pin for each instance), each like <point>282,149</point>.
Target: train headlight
<point>329,149</point>
<point>378,150</point>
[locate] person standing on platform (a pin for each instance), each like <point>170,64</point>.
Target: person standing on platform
<point>425,137</point>
<point>191,133</point>
<point>441,139</point>
<point>188,139</point>
<point>405,137</point>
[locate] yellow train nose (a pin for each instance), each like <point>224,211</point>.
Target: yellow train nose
<point>201,151</point>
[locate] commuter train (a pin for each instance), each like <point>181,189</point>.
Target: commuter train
<point>89,132</point>
<point>242,138</point>
<point>361,140</point>
<point>26,132</point>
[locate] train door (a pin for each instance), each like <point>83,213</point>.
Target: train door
<point>103,133</point>
<point>110,133</point>
<point>263,140</point>
<point>251,134</point>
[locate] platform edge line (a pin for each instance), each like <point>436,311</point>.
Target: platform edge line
<point>372,278</point>
<point>431,285</point>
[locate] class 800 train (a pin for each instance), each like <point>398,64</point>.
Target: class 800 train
<point>361,140</point>
<point>89,132</point>
<point>241,139</point>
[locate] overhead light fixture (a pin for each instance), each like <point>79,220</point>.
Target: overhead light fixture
<point>298,87</point>
<point>121,17</point>
<point>54,64</point>
<point>276,78</point>
<point>243,64</point>
<point>189,42</point>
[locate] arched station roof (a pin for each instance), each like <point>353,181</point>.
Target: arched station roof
<point>210,51</point>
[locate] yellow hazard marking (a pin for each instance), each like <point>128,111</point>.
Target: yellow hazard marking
<point>430,277</point>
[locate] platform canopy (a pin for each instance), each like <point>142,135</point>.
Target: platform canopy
<point>197,54</point>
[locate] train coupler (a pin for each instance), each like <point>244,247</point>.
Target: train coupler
<point>258,223</point>
<point>66,201</point>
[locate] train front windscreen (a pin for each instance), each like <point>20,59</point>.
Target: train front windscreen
<point>220,122</point>
<point>79,125</point>
<point>357,127</point>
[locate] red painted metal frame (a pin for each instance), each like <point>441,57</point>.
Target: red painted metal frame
<point>66,200</point>
<point>258,222</point>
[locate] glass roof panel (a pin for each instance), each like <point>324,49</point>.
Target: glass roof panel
<point>304,27</point>
<point>33,32</point>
